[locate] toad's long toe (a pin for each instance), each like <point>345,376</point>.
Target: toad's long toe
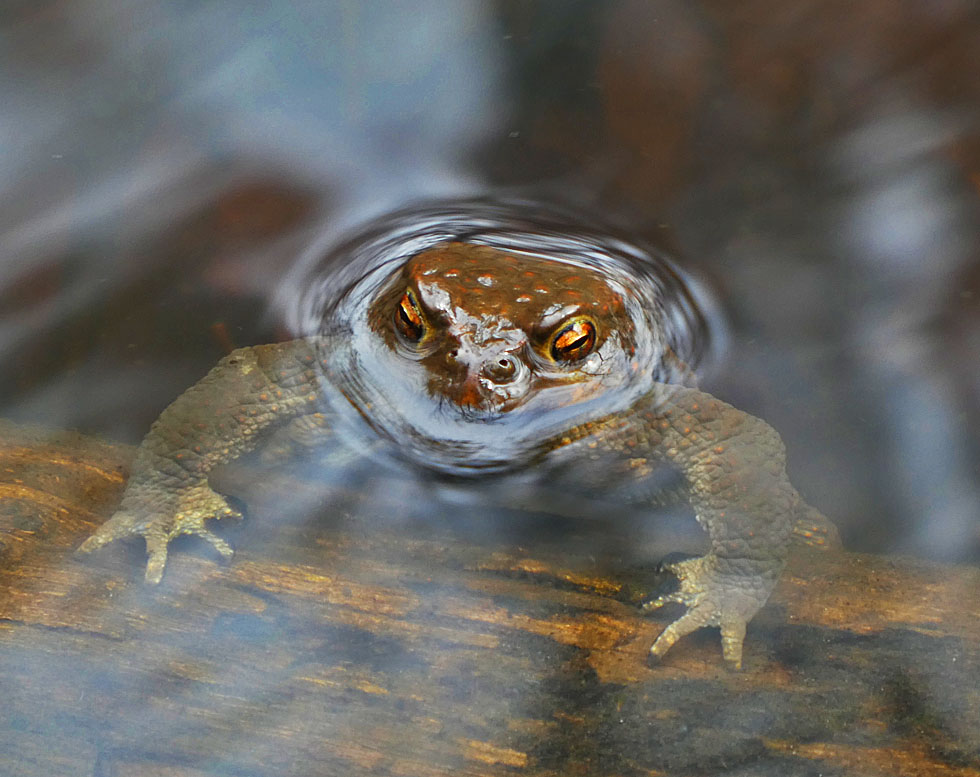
<point>121,524</point>
<point>186,512</point>
<point>712,598</point>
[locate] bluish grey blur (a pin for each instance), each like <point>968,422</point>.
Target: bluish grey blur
<point>171,172</point>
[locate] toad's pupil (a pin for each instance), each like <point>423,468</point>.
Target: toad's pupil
<point>574,341</point>
<point>408,318</point>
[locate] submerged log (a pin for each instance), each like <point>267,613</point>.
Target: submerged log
<point>359,645</point>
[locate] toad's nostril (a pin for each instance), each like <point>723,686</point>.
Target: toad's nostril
<point>501,370</point>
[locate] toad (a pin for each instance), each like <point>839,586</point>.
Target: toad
<point>478,361</point>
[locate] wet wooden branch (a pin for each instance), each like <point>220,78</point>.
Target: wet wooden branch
<point>357,646</point>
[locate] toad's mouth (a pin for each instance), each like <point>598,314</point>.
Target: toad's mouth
<point>478,397</point>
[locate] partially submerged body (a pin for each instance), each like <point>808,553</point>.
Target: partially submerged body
<point>474,361</point>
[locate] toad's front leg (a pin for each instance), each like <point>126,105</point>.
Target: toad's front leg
<point>224,415</point>
<point>734,465</point>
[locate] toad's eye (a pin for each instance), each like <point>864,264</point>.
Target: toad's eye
<point>573,341</point>
<point>408,318</point>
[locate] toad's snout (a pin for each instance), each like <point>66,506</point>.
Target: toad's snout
<point>491,376</point>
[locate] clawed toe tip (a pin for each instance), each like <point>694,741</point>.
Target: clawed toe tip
<point>216,542</point>
<point>653,604</point>
<point>154,572</point>
<point>92,543</point>
<point>668,592</point>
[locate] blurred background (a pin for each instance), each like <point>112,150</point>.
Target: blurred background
<point>165,167</point>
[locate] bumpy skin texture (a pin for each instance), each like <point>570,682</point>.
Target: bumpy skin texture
<point>216,420</point>
<point>495,335</point>
<point>734,465</point>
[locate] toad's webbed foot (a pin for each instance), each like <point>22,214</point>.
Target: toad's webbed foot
<point>713,598</point>
<point>159,521</point>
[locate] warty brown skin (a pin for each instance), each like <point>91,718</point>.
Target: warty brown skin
<point>492,335</point>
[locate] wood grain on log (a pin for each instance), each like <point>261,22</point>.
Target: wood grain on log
<point>355,647</point>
